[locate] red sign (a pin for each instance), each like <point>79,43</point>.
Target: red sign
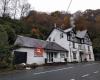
<point>38,52</point>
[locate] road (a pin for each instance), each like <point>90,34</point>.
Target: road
<point>78,71</point>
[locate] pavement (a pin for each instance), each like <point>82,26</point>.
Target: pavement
<point>78,71</point>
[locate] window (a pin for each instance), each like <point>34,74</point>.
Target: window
<point>62,55</point>
<point>55,55</point>
<point>80,47</point>
<point>38,52</point>
<point>88,48</point>
<point>49,38</point>
<point>82,40</point>
<point>74,55</point>
<point>66,54</point>
<point>61,35</point>
<point>89,56</point>
<point>73,44</point>
<point>54,39</point>
<point>68,36</point>
<point>79,40</point>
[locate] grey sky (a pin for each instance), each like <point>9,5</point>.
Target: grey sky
<point>61,5</point>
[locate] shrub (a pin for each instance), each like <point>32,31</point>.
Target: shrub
<point>19,66</point>
<point>3,65</point>
<point>34,65</point>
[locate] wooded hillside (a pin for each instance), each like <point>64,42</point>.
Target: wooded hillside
<point>39,25</point>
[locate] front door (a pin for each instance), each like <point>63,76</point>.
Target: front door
<point>50,57</point>
<point>80,57</point>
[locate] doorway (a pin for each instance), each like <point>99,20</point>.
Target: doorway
<point>20,57</point>
<point>49,57</point>
<point>81,56</point>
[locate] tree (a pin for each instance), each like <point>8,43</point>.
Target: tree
<point>3,44</point>
<point>5,7</point>
<point>15,8</point>
<point>66,22</point>
<point>3,36</point>
<point>81,23</point>
<point>24,8</point>
<point>56,14</point>
<point>12,8</point>
<point>11,34</point>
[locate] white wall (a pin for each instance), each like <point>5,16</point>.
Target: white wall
<point>89,52</point>
<point>39,60</point>
<point>55,34</point>
<point>68,45</point>
<point>30,56</point>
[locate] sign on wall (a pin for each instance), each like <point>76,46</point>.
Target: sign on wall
<point>38,52</point>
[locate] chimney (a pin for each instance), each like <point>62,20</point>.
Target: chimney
<point>74,17</point>
<point>55,25</point>
<point>72,21</point>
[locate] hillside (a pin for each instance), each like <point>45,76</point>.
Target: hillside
<point>39,25</point>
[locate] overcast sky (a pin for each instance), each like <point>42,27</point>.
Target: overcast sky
<point>61,5</point>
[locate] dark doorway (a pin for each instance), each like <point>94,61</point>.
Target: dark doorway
<point>81,54</point>
<point>50,57</point>
<point>20,57</point>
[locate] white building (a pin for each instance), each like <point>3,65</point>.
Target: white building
<point>77,43</point>
<point>61,46</point>
<point>32,50</point>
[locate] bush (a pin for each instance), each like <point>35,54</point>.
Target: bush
<point>20,66</point>
<point>34,65</point>
<point>24,66</point>
<point>3,65</point>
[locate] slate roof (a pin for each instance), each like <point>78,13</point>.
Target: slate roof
<point>81,34</point>
<point>69,29</point>
<point>36,43</point>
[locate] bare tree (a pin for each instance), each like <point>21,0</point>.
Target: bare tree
<point>5,7</point>
<point>15,8</point>
<point>24,8</point>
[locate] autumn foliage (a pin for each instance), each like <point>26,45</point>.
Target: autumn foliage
<point>81,23</point>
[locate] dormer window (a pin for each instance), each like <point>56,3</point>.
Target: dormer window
<point>61,35</point>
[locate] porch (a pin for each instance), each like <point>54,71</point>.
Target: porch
<point>56,57</point>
